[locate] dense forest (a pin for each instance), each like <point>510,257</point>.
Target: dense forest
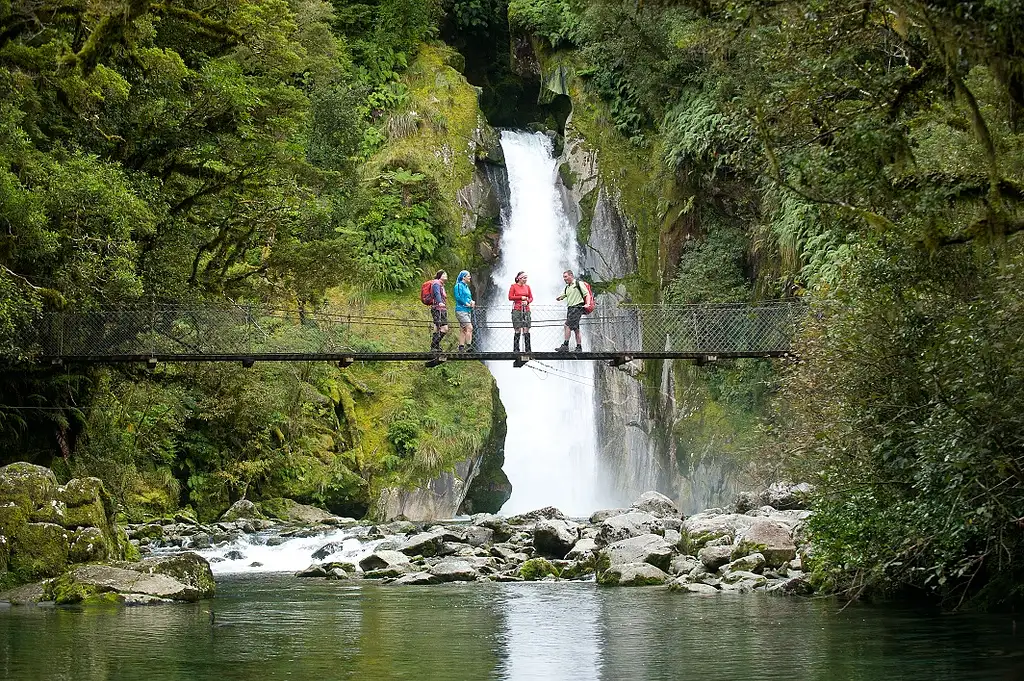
<point>866,156</point>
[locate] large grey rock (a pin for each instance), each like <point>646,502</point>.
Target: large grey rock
<point>380,560</point>
<point>680,585</point>
<point>554,538</point>
<point>646,548</point>
<point>416,579</point>
<point>546,513</point>
<point>292,511</point>
<point>501,528</point>
<point>656,504</point>
<point>582,549</point>
<point>598,517</point>
<point>714,557</point>
<point>751,563</point>
<point>786,496</point>
<point>243,509</point>
<point>632,524</point>
<point>423,544</point>
<point>702,528</point>
<point>770,539</point>
<point>739,576</point>
<point>681,565</point>
<point>454,571</point>
<point>635,574</point>
<point>476,535</point>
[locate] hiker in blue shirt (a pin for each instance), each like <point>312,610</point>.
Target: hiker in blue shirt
<point>464,305</point>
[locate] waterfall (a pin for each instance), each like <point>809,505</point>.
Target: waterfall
<point>551,449</point>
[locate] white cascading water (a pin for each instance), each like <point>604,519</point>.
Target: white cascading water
<point>551,446</point>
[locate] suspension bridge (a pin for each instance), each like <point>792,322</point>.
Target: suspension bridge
<point>249,334</point>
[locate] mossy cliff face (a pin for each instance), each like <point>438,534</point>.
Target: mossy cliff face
<point>45,526</point>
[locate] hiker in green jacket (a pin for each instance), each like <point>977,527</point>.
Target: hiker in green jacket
<point>575,299</point>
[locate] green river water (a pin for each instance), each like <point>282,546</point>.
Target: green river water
<point>279,627</point>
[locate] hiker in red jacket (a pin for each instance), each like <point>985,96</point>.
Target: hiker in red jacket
<point>521,296</point>
<point>439,310</point>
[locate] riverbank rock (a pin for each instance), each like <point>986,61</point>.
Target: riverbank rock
<point>646,548</point>
<point>291,511</point>
<point>635,574</point>
<point>769,538</point>
<point>44,526</point>
<point>781,496</point>
<point>554,538</point>
<point>656,504</point>
<point>626,525</point>
<point>185,577</point>
<point>243,509</point>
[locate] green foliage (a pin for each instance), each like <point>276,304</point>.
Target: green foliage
<point>553,20</point>
<point>711,270</point>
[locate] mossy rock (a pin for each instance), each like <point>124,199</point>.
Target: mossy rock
<point>12,519</point>
<point>90,545</point>
<point>66,590</point>
<point>188,568</point>
<point>537,568</point>
<point>40,550</point>
<point>86,491</point>
<point>28,486</point>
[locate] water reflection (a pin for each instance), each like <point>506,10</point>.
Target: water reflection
<point>264,627</point>
<point>551,631</point>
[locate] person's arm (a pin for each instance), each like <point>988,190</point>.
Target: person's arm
<point>435,290</point>
<point>562,297</point>
<point>529,292</point>
<point>511,290</point>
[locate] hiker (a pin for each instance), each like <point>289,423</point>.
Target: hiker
<point>521,296</point>
<point>464,305</point>
<point>438,309</point>
<point>575,299</point>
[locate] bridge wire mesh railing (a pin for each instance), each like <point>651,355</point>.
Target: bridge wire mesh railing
<point>761,328</point>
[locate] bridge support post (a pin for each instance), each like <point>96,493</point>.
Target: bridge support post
<point>346,362</point>
<point>619,361</point>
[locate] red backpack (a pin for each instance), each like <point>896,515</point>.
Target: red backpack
<point>589,301</point>
<point>427,292</point>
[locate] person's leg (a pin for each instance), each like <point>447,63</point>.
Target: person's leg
<point>515,339</point>
<point>469,335</point>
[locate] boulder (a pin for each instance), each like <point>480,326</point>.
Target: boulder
<point>714,557</point>
<point>739,576</point>
<point>327,549</point>
<point>632,524</point>
<point>26,594</point>
<point>599,517</point>
<point>656,504</point>
<point>546,513</point>
<point>87,504</point>
<point>381,560</point>
<point>646,548</point>
<point>681,565</point>
<point>243,509</point>
<point>698,530</point>
<point>786,496</point>
<point>90,545</point>
<point>501,528</point>
<point>40,550</point>
<point>508,554</point>
<point>423,544</point>
<point>416,578</point>
<point>537,568</point>
<point>769,538</point>
<point>752,563</point>
<point>28,486</point>
<point>292,511</point>
<point>636,574</point>
<point>312,571</point>
<point>554,538</point>
<point>582,549</point>
<point>185,577</point>
<point>682,586</point>
<point>454,571</point>
<point>476,535</point>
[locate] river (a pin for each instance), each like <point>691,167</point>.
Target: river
<point>264,627</point>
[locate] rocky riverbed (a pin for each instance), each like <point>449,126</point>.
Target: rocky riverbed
<point>64,541</point>
<point>753,546</point>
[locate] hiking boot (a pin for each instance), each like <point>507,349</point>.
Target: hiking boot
<point>564,347</point>
<point>579,348</point>
<point>526,343</point>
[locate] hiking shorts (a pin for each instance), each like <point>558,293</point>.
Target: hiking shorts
<point>520,319</point>
<point>440,316</point>
<point>572,317</point>
<point>465,318</point>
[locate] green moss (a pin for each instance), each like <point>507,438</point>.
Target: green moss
<point>537,568</point>
<point>587,205</point>
<point>127,550</point>
<point>66,590</point>
<point>40,550</point>
<point>745,548</point>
